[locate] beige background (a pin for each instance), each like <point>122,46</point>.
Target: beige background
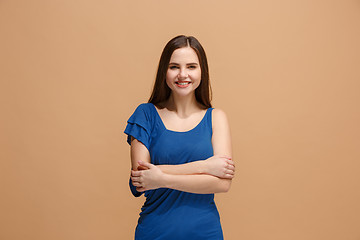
<point>286,72</point>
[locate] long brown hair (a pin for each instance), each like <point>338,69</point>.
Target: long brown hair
<point>161,92</point>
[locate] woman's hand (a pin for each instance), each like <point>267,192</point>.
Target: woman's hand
<point>220,166</point>
<point>149,178</point>
<point>142,167</point>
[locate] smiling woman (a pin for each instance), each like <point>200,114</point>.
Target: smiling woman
<point>180,149</point>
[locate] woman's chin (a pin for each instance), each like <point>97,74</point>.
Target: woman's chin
<point>183,92</point>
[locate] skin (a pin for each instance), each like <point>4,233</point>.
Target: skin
<point>181,112</point>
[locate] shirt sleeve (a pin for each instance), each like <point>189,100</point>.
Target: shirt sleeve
<point>139,126</point>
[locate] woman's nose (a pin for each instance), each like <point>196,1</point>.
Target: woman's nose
<point>183,74</point>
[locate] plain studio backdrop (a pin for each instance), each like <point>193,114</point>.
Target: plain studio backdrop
<point>287,73</point>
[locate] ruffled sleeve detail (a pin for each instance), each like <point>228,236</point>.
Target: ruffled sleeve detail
<point>139,126</point>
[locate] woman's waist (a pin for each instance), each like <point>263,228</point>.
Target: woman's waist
<point>165,198</point>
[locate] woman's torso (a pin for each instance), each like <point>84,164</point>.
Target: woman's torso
<point>173,214</point>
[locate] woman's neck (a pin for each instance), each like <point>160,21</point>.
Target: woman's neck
<point>183,106</point>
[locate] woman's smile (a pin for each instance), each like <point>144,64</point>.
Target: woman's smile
<point>182,84</point>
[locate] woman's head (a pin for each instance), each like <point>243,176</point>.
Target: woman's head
<point>180,45</point>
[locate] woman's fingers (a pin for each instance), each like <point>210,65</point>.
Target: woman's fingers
<point>135,179</point>
<point>228,176</point>
<point>230,167</point>
<point>231,172</point>
<point>136,173</point>
<point>140,189</point>
<point>231,162</point>
<point>136,184</point>
<point>140,168</point>
<point>146,164</point>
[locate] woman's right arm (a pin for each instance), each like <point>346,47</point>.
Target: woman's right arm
<point>138,153</point>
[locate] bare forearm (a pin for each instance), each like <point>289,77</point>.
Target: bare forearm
<point>218,166</point>
<point>196,167</point>
<point>203,184</point>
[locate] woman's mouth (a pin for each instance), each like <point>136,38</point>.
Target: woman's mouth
<point>182,84</point>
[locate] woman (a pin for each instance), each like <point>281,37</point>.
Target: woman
<point>180,149</point>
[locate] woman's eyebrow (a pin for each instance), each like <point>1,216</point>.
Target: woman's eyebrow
<point>186,64</point>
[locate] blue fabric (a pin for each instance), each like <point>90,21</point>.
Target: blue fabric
<point>168,213</point>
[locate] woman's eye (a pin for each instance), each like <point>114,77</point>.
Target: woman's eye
<point>173,67</point>
<point>192,67</point>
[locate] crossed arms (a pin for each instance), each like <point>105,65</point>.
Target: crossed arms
<point>212,175</point>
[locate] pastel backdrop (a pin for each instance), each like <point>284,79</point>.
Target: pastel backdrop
<point>285,72</point>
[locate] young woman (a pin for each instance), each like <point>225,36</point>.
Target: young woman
<point>180,149</point>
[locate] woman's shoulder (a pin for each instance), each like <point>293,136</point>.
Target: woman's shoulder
<point>219,117</point>
<point>144,106</point>
<point>143,111</point>
<point>219,113</point>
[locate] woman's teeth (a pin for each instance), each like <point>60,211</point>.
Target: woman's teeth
<point>183,83</point>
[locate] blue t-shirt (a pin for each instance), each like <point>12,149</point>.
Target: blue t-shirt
<point>169,214</point>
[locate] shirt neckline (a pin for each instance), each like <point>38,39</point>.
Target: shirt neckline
<point>169,130</point>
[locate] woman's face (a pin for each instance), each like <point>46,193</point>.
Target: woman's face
<point>184,73</point>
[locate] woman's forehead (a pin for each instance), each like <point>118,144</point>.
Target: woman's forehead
<point>185,54</point>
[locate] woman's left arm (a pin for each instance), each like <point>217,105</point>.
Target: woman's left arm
<point>154,178</point>
<point>221,138</point>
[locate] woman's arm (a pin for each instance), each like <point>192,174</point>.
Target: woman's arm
<point>219,166</point>
<point>221,139</point>
<point>138,153</point>
<point>154,177</point>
